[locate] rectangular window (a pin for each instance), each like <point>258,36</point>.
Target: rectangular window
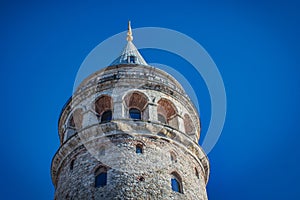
<point>131,59</point>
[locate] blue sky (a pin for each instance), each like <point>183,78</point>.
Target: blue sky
<point>254,44</point>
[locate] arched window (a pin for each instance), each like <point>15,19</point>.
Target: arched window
<point>71,122</point>
<point>103,108</point>
<point>71,129</point>
<point>167,113</point>
<point>131,59</point>
<point>74,123</point>
<point>106,116</point>
<point>139,149</point>
<point>188,124</point>
<point>136,103</point>
<point>176,183</point>
<point>101,177</point>
<point>135,113</point>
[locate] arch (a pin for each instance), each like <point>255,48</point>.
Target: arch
<point>167,112</point>
<point>74,122</point>
<point>136,103</point>
<point>139,149</point>
<point>71,122</point>
<point>166,108</point>
<point>103,108</point>
<point>176,182</point>
<point>101,176</point>
<point>188,125</point>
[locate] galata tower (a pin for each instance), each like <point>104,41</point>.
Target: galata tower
<point>129,132</point>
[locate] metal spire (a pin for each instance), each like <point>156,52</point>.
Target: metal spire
<point>130,54</point>
<point>129,33</point>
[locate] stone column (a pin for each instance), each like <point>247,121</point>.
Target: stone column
<point>180,124</point>
<point>89,118</point>
<point>152,112</point>
<point>118,110</point>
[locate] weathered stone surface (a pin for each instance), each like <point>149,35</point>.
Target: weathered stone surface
<point>170,147</point>
<point>126,169</point>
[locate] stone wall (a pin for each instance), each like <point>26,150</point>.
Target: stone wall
<point>87,143</point>
<point>130,175</point>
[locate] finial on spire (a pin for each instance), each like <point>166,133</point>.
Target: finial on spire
<point>129,33</point>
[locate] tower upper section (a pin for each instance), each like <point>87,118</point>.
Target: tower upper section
<point>130,105</point>
<point>129,82</point>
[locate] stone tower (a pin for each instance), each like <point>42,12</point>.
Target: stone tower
<point>129,132</point>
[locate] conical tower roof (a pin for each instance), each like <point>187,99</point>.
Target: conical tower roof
<point>130,54</point>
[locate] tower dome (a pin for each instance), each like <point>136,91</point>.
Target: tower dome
<point>129,131</point>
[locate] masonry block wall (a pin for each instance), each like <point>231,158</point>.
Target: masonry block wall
<point>130,132</point>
